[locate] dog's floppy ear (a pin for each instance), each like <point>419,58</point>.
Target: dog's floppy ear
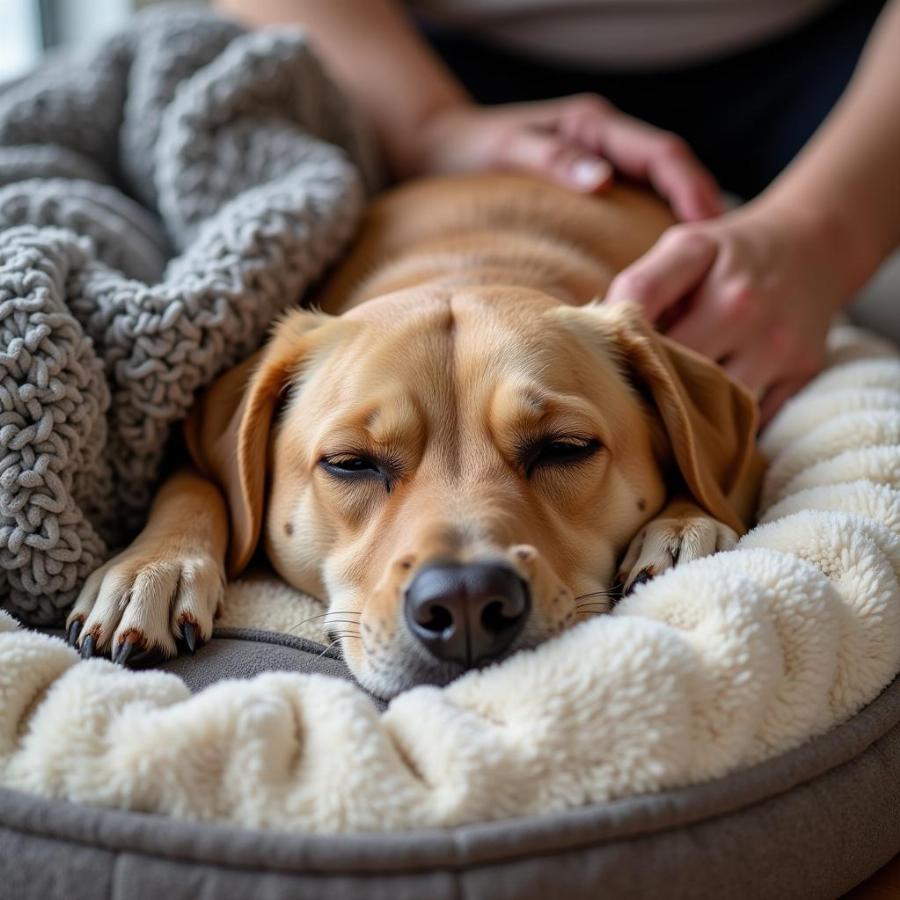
<point>710,420</point>
<point>227,431</point>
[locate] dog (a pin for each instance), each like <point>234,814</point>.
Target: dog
<point>461,449</point>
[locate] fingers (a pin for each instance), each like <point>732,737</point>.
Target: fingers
<point>579,141</point>
<point>756,368</point>
<point>773,358</point>
<point>551,156</point>
<point>728,316</point>
<point>777,396</point>
<point>679,176</point>
<point>671,270</point>
<point>718,328</point>
<point>645,152</point>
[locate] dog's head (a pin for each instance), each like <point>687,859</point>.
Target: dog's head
<point>458,471</point>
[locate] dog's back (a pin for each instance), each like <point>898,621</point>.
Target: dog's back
<point>546,235</point>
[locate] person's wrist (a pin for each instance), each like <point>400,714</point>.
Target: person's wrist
<point>831,235</point>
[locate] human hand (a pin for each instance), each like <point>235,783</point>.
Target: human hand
<point>755,290</point>
<point>575,141</point>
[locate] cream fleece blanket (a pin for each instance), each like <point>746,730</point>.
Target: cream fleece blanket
<point>713,666</point>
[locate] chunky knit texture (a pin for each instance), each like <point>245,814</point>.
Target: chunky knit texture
<point>183,136</point>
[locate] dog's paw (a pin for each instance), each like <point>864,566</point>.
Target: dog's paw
<point>664,543</point>
<point>138,605</point>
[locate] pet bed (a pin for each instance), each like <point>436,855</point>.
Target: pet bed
<point>730,730</point>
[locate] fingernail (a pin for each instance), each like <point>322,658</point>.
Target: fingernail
<point>588,173</point>
<point>709,207</point>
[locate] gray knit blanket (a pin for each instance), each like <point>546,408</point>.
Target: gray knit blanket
<point>160,203</point>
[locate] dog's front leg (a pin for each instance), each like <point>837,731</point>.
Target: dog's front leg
<point>167,585</point>
<point>681,532</point>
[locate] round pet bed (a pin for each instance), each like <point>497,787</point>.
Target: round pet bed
<point>732,729</point>
<point>811,823</point>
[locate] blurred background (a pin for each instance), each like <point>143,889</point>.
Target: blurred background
<point>30,27</point>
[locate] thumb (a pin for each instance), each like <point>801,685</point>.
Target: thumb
<point>552,157</point>
<point>669,271</point>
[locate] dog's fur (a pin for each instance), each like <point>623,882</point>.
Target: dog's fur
<point>455,344</point>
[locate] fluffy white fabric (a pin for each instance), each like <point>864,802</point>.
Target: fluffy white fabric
<point>713,666</point>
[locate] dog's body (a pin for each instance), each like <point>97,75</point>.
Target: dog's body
<point>464,455</point>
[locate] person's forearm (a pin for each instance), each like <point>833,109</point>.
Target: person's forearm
<point>379,59</point>
<point>848,176</point>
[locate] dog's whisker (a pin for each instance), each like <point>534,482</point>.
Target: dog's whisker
<point>333,612</point>
<point>326,649</point>
<point>602,593</point>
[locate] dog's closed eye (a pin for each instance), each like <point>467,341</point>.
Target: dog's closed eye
<point>557,450</point>
<point>359,467</point>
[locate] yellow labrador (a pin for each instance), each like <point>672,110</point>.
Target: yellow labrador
<point>461,453</point>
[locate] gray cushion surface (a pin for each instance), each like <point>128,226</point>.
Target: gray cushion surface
<point>245,652</point>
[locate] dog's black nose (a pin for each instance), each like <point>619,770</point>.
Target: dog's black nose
<point>467,613</point>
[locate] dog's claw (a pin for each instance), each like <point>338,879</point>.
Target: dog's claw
<point>123,652</point>
<point>145,658</point>
<point>189,633</point>
<point>642,577</point>
<point>87,647</point>
<point>73,632</point>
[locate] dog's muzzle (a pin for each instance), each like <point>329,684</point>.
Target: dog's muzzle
<point>467,613</point>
